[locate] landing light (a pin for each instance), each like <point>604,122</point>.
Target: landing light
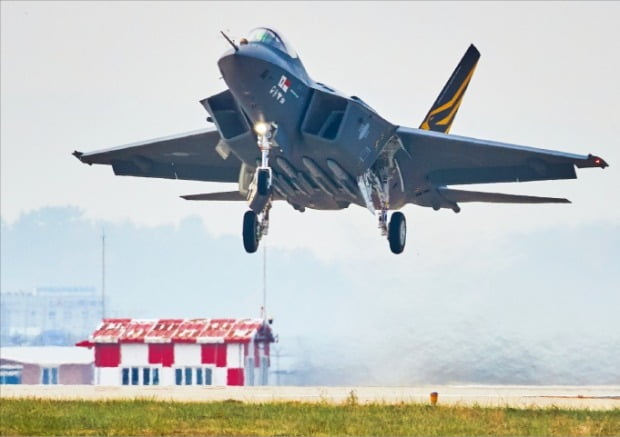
<point>261,128</point>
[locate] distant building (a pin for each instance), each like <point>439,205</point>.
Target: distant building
<point>170,352</point>
<point>45,365</point>
<point>48,315</point>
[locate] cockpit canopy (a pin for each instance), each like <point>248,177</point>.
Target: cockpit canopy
<point>268,36</point>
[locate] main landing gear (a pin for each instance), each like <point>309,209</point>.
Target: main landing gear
<point>396,229</point>
<point>256,220</point>
<point>397,232</point>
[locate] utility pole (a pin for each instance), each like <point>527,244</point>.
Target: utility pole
<point>102,273</point>
<point>264,283</point>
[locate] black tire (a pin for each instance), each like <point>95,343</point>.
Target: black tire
<point>263,182</point>
<point>250,231</point>
<point>397,232</point>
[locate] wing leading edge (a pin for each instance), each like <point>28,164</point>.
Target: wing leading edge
<point>438,160</point>
<point>196,155</point>
<point>443,159</point>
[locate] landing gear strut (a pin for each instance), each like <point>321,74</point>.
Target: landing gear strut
<point>256,220</point>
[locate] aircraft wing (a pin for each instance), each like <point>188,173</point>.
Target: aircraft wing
<point>199,155</point>
<point>441,159</point>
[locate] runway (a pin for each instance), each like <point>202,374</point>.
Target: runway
<point>575,397</point>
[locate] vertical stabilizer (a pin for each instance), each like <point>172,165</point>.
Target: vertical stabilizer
<point>442,113</point>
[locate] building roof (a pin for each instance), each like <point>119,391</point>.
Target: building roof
<point>179,331</point>
<point>47,355</point>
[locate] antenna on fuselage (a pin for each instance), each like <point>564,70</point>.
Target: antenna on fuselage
<point>232,43</point>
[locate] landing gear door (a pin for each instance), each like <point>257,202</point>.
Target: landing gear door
<point>246,175</point>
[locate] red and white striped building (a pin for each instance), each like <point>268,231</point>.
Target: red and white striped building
<point>181,352</point>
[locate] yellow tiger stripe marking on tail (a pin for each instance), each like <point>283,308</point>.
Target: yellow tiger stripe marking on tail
<point>458,95</point>
<point>452,118</point>
<point>448,118</point>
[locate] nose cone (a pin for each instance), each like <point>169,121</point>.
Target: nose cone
<point>239,68</point>
<point>227,62</point>
<point>235,69</point>
<point>252,75</point>
<point>244,75</point>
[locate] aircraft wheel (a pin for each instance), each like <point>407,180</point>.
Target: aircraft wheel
<point>263,182</point>
<point>397,232</point>
<point>250,231</point>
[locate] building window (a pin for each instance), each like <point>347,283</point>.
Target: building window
<point>10,374</point>
<point>185,376</point>
<point>155,376</point>
<point>49,375</point>
<point>204,376</point>
<point>135,376</point>
<point>150,376</point>
<point>131,375</point>
<point>208,375</point>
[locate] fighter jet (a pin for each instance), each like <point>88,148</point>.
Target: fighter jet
<point>282,136</point>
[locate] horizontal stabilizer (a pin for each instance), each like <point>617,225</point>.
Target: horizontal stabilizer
<point>221,196</point>
<point>478,196</point>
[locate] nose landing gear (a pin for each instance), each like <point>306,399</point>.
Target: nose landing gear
<point>255,226</point>
<point>251,231</point>
<point>256,220</point>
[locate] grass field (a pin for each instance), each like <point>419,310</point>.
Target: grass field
<point>232,418</point>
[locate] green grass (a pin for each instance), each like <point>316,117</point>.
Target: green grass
<point>232,418</point>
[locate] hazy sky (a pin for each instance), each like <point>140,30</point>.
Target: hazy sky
<point>91,75</point>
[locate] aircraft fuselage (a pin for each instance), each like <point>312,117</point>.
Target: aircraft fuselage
<point>324,140</point>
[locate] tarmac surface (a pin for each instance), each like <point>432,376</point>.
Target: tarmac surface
<point>575,397</point>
